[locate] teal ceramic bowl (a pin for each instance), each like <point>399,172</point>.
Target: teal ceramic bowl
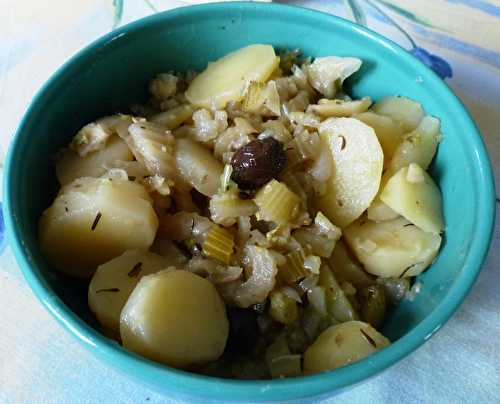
<point>113,73</point>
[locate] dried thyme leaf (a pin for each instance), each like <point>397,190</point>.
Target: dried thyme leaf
<point>368,338</point>
<point>134,272</point>
<point>96,221</point>
<point>107,290</point>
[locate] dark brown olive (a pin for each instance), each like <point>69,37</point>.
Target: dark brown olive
<point>257,163</point>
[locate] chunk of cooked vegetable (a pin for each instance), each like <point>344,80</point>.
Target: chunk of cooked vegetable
<point>153,146</point>
<point>93,220</point>
<point>219,244</point>
<point>227,207</point>
<point>418,146</point>
<point>320,238</point>
<point>176,318</point>
<point>262,98</point>
<point>357,161</point>
<point>294,270</point>
<point>71,166</point>
<point>346,269</point>
<point>412,193</point>
<point>378,211</point>
<point>389,133</point>
<point>393,248</point>
<point>95,135</point>
<point>163,86</point>
<point>262,277</point>
<point>338,306</point>
<point>258,162</point>
<point>174,117</point>
<point>226,79</point>
<point>373,304</point>
<point>283,308</point>
<point>405,112</point>
<point>341,345</point>
<point>113,282</point>
<point>326,74</point>
<point>276,203</point>
<point>198,166</point>
<point>338,108</point>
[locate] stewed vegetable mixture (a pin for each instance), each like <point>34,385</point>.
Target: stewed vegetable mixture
<point>251,221</point>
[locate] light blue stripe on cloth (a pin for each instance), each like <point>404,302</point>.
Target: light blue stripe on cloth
<point>482,5</point>
<point>485,55</point>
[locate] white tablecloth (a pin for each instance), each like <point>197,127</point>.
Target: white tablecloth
<point>41,363</point>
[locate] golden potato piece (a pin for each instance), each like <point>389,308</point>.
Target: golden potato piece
<point>226,79</point>
<point>341,345</point>
<point>393,248</point>
<point>198,166</point>
<point>406,112</point>
<point>93,220</point>
<point>357,160</point>
<point>176,318</point>
<point>114,281</point>
<point>412,193</point>
<point>71,166</point>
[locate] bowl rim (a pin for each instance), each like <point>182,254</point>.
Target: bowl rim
<point>191,384</point>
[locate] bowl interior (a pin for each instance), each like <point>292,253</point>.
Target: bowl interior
<point>113,73</point>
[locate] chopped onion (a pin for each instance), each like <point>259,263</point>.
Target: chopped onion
<point>308,283</point>
<point>312,263</point>
<point>291,293</point>
<point>316,298</point>
<point>261,280</point>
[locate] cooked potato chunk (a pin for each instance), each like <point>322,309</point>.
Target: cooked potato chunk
<point>379,211</point>
<point>406,112</point>
<point>93,220</point>
<point>346,269</point>
<point>114,281</point>
<point>388,132</point>
<point>71,166</point>
<point>198,166</point>
<point>394,248</point>
<point>341,345</point>
<point>357,161</point>
<point>412,193</point>
<point>176,318</point>
<point>418,146</point>
<point>226,79</point>
<point>337,108</point>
